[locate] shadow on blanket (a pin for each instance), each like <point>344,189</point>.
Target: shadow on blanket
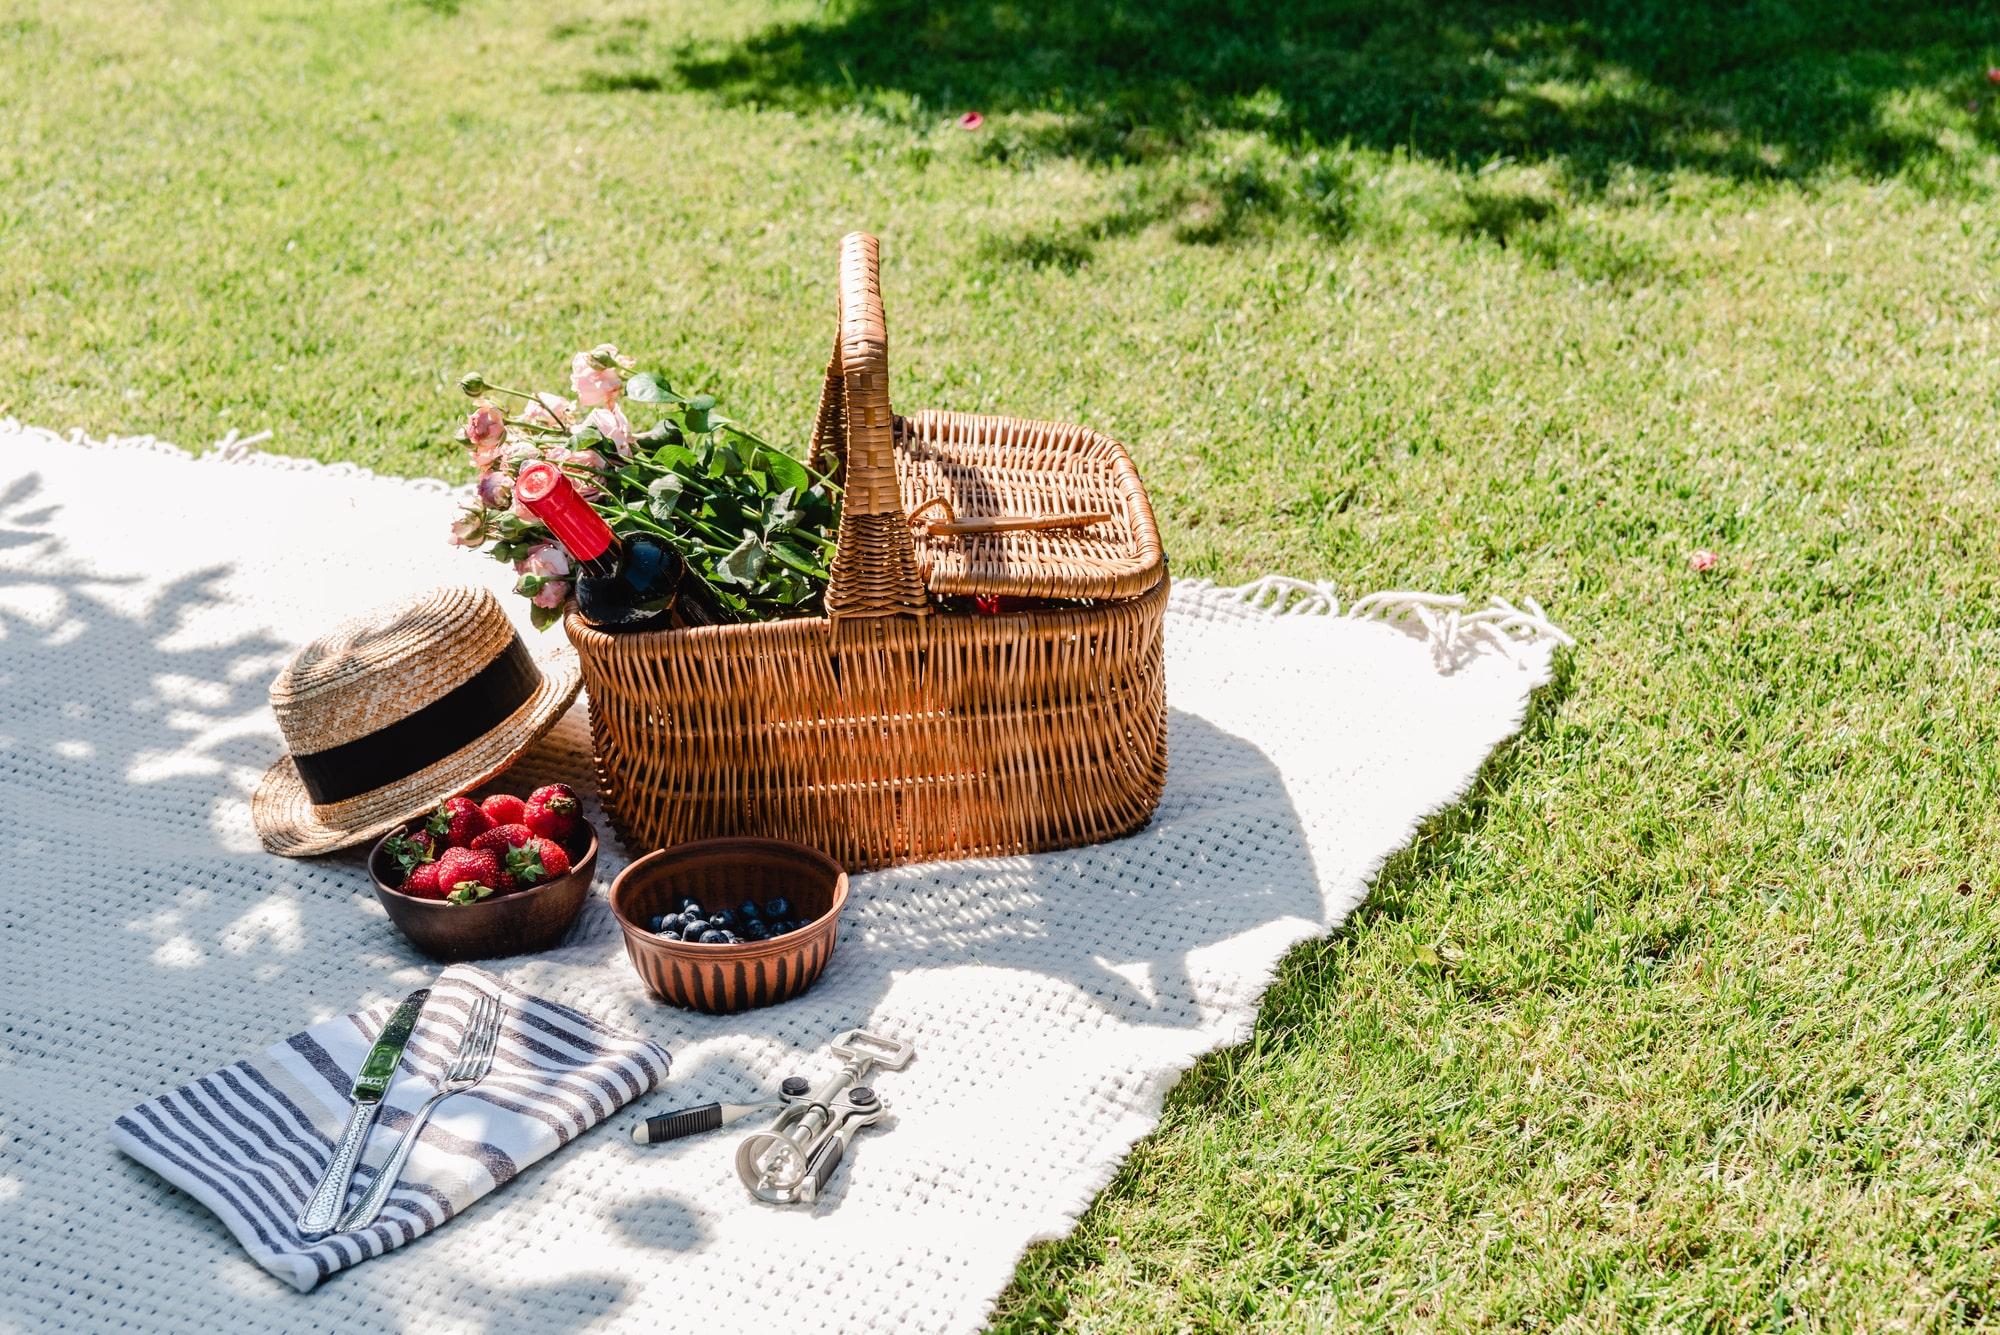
<point>172,943</point>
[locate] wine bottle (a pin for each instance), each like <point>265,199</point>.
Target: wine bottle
<point>639,584</point>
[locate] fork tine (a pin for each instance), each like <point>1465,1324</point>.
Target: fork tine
<point>492,1038</point>
<point>483,1041</point>
<point>471,1039</point>
<point>492,1048</point>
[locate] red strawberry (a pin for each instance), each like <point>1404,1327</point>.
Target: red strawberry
<point>457,820</point>
<point>503,809</point>
<point>503,839</point>
<point>551,812</point>
<point>408,849</point>
<point>423,882</point>
<point>470,874</point>
<point>541,860</point>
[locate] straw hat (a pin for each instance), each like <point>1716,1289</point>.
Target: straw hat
<point>398,709</point>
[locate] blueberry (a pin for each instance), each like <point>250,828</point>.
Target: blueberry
<point>781,928</point>
<point>711,937</point>
<point>694,927</point>
<point>778,909</point>
<point>722,919</point>
<point>748,910</point>
<point>731,939</point>
<point>755,930</point>
<point>688,906</point>
<point>668,920</point>
<point>653,923</point>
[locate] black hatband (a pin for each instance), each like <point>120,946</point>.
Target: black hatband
<point>416,741</point>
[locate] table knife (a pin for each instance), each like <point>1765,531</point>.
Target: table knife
<point>324,1206</point>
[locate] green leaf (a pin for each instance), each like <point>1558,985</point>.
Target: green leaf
<point>544,617</point>
<point>663,497</point>
<point>666,431</point>
<point>677,457</point>
<point>723,460</point>
<point>745,563</point>
<point>646,387</point>
<point>785,471</point>
<point>791,554</point>
<point>530,585</point>
<point>778,512</point>
<point>701,403</point>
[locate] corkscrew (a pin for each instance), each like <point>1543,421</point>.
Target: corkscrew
<point>791,1163</point>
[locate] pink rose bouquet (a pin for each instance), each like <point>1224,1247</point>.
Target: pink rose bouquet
<point>754,522</point>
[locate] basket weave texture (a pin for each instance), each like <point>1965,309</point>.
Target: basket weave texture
<point>890,731</point>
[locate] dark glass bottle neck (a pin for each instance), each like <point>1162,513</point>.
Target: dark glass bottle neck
<point>602,566</point>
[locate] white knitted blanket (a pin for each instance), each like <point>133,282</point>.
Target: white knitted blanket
<point>145,603</point>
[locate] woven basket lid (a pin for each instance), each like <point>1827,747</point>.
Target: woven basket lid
<point>1005,505</point>
<point>396,709</point>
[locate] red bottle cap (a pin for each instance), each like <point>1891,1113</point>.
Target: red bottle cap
<point>545,491</point>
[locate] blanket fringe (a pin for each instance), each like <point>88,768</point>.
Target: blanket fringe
<point>1454,630</point>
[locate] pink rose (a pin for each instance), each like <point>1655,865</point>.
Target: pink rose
<point>548,410</point>
<point>1702,560</point>
<point>495,492</point>
<point>591,459</point>
<point>520,452</point>
<point>549,561</point>
<point>469,529</point>
<point>486,428</point>
<point>552,594</point>
<point>971,120</point>
<point>595,386</point>
<point>613,426</point>
<point>485,456</point>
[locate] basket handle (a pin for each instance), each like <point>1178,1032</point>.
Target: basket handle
<point>875,566</point>
<point>949,525</point>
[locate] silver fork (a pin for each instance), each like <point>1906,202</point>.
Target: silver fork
<point>469,1066</point>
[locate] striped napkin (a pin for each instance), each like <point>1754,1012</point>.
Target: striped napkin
<point>251,1140</point>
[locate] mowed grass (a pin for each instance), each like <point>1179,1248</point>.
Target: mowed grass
<point>1687,1017</point>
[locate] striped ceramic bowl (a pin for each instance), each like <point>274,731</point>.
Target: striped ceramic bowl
<point>719,874</point>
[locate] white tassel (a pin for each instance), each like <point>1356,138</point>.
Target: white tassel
<point>1440,619</point>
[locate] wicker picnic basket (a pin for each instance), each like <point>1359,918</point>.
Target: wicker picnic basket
<point>892,730</point>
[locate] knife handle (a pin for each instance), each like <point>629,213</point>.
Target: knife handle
<point>324,1207</point>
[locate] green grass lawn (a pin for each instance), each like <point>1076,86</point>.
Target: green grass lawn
<point>1688,1016</point>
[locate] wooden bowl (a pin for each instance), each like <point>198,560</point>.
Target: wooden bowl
<point>510,924</point>
<point>719,874</point>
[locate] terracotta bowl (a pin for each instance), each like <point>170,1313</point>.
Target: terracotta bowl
<point>719,874</point>
<point>511,924</point>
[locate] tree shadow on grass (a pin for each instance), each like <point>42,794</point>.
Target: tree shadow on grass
<point>1759,91</point>
<point>1249,111</point>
